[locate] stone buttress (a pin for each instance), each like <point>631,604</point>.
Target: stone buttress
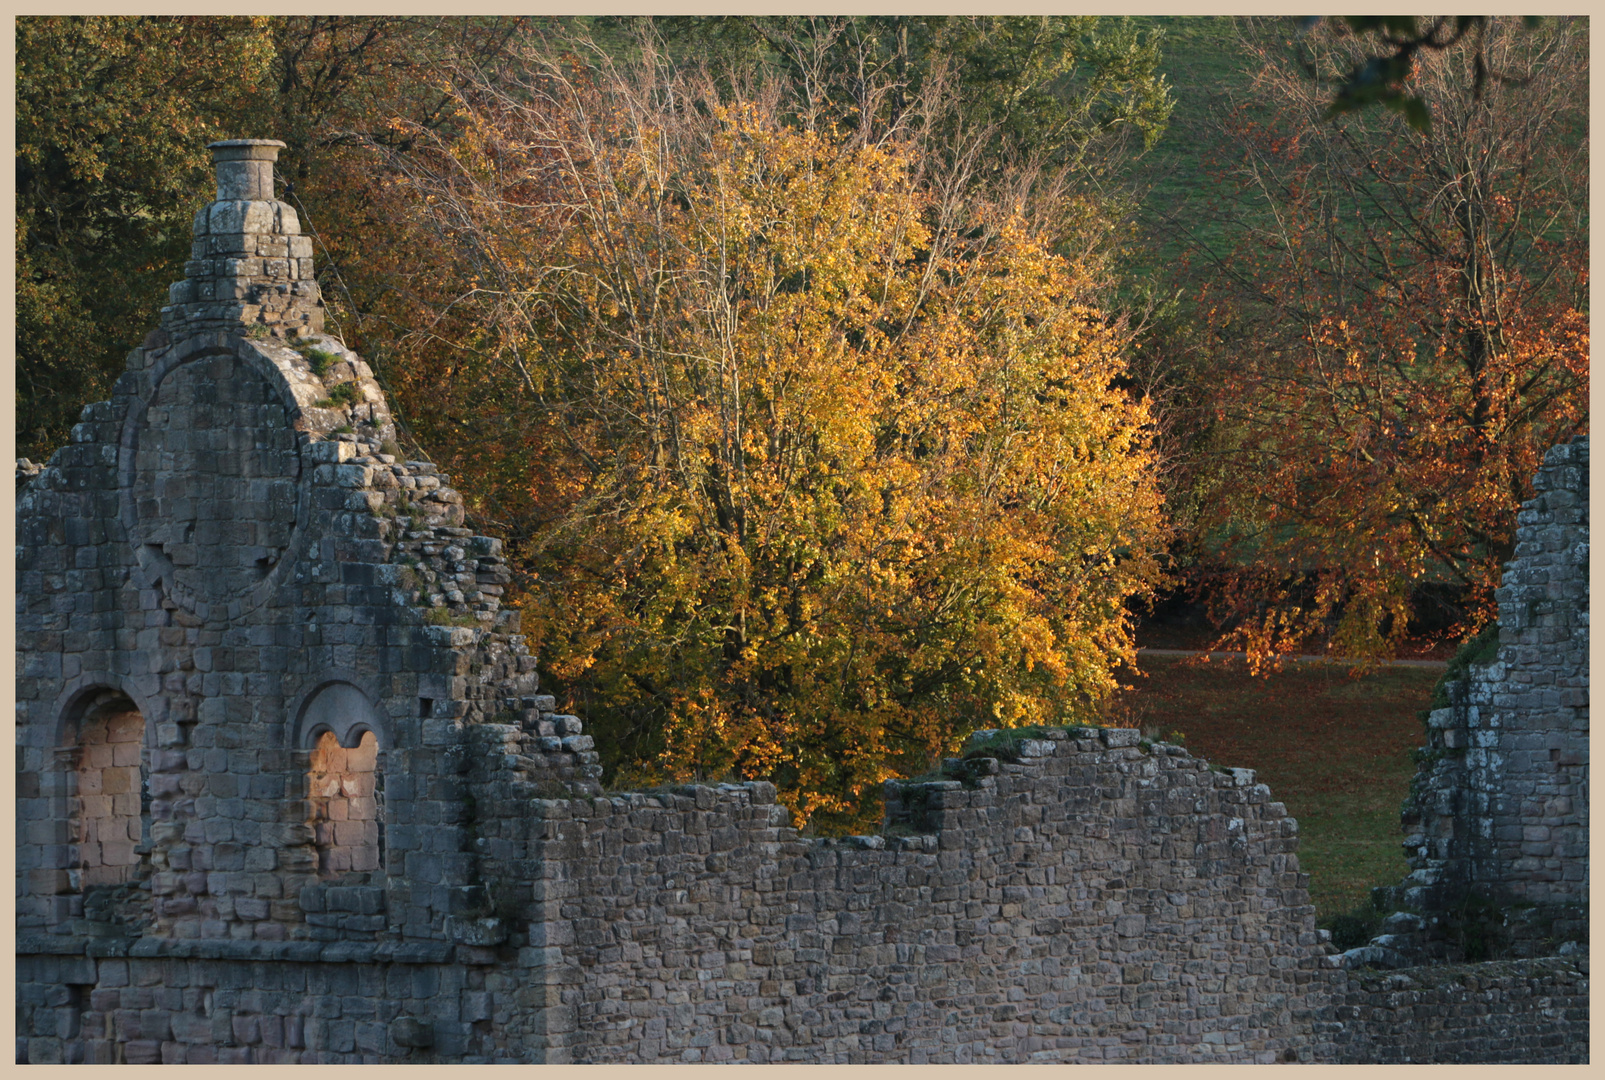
<point>1496,824</point>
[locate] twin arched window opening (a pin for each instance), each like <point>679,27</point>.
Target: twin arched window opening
<point>340,727</point>
<point>106,782</point>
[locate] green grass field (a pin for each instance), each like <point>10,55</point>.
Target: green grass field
<point>1335,750</point>
<point>1204,61</point>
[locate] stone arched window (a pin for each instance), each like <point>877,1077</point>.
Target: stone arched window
<point>347,799</point>
<point>344,734</point>
<point>102,778</point>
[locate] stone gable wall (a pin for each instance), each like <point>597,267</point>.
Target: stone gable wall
<point>230,552</point>
<point>222,543</point>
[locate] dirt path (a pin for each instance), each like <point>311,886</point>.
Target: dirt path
<point>1438,664</point>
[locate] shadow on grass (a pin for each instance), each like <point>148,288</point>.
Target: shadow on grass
<point>1335,750</point>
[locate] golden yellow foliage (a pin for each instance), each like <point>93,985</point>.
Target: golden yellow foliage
<point>816,471</point>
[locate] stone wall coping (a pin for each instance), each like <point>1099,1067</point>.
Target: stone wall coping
<point>1473,976</point>
<point>238,145</point>
<point>305,952</point>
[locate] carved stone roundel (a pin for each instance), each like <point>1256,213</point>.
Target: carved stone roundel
<point>214,486</point>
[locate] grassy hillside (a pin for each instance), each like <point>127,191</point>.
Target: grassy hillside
<point>1204,60</point>
<point>1335,750</point>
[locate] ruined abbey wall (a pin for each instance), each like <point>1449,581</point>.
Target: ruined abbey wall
<point>1503,801</point>
<point>1096,900</point>
<point>287,791</point>
<point>1525,1012</point>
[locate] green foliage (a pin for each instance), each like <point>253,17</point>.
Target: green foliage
<point>1061,90</point>
<point>341,396</point>
<point>1004,743</point>
<point>320,359</point>
<point>1351,929</point>
<point>1065,88</point>
<point>113,118</point>
<point>439,616</point>
<point>1384,78</point>
<point>1474,924</point>
<point>1422,756</point>
<point>1479,650</point>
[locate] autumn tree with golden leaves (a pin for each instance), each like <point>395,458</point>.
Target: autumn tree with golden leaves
<point>821,465</point>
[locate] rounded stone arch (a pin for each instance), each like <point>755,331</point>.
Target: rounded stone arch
<point>340,739</point>
<point>344,704</point>
<point>217,562</point>
<point>92,793</point>
<point>78,696</point>
<point>220,564</point>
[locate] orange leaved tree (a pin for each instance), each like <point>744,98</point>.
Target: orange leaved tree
<point>1396,340</point>
<point>817,464</point>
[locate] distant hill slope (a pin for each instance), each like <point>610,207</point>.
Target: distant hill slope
<point>1206,64</point>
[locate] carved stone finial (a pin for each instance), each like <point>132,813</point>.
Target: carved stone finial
<point>245,168</point>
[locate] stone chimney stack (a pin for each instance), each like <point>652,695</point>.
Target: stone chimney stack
<point>245,169</point>
<point>249,266</point>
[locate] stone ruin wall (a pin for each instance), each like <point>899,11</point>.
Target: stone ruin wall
<point>229,552</point>
<point>1498,811</point>
<point>1525,1012</point>
<point>1097,900</point>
